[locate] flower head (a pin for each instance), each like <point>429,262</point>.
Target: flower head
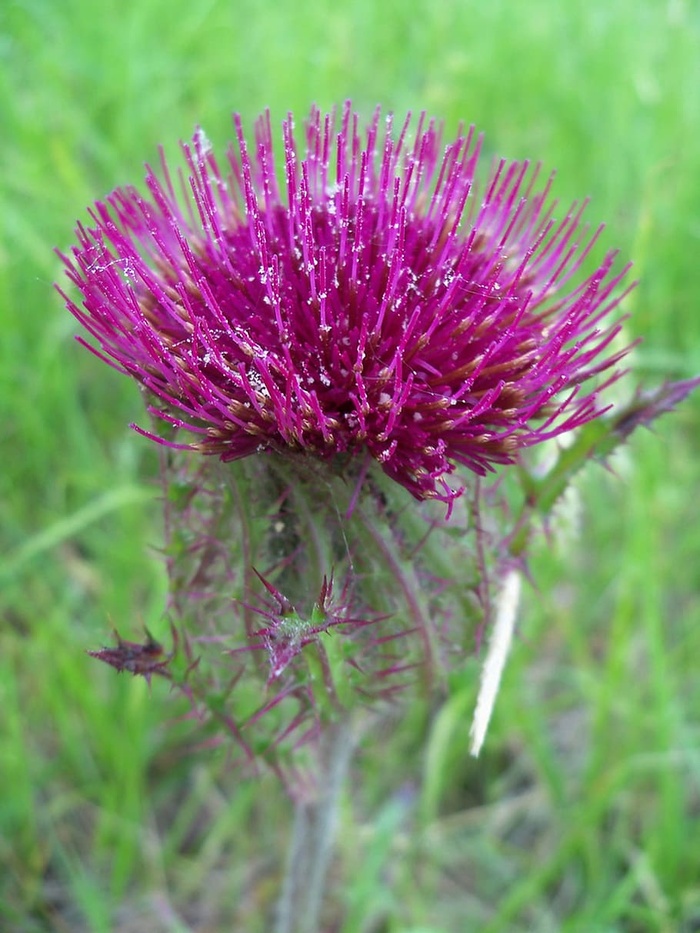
<point>368,303</point>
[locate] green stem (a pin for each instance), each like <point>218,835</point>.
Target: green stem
<point>313,835</point>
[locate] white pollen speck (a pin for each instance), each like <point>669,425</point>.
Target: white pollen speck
<point>384,398</point>
<point>202,140</point>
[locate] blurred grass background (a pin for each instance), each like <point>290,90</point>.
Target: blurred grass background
<point>583,813</point>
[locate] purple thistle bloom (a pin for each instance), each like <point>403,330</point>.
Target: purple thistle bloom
<point>375,306</point>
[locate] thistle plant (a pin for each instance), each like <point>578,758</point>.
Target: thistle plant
<point>342,354</point>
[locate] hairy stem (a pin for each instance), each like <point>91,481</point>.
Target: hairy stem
<point>311,846</point>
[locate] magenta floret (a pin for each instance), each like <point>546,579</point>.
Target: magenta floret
<point>376,305</point>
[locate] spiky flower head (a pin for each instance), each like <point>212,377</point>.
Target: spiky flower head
<point>372,303</point>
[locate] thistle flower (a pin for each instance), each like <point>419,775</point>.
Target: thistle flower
<point>373,307</point>
<point>376,306</point>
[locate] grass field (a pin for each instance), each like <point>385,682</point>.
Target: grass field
<point>583,813</point>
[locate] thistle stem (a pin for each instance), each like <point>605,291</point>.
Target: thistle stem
<point>313,835</point>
